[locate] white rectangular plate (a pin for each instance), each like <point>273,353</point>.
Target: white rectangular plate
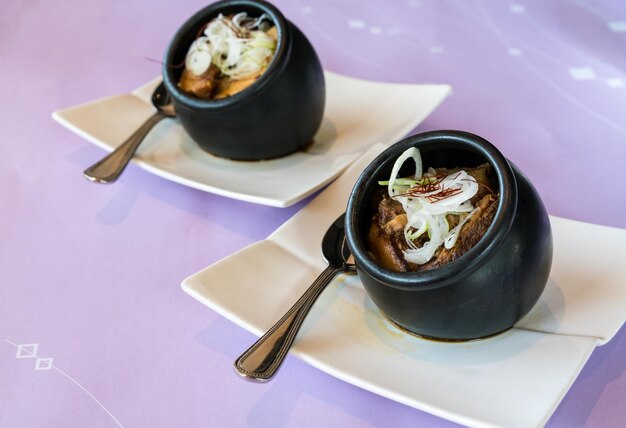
<point>358,114</point>
<point>515,379</point>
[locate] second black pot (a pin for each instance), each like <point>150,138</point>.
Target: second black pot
<point>483,292</point>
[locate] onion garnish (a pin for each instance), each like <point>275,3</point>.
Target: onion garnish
<point>236,46</point>
<point>427,199</point>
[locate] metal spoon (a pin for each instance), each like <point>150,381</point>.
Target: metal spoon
<point>110,167</point>
<point>261,361</point>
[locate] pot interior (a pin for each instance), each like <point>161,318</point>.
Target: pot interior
<point>447,149</point>
<point>175,57</point>
<point>438,155</point>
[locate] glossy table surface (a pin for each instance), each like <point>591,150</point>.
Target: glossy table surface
<point>94,327</point>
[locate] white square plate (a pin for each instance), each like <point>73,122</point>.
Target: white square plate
<point>358,114</point>
<point>515,379</point>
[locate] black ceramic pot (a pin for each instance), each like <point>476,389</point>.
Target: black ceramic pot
<point>277,115</point>
<point>489,288</point>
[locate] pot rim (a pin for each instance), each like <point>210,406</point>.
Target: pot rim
<point>465,265</point>
<point>277,63</point>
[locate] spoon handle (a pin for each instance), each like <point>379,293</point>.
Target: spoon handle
<point>108,169</point>
<point>261,361</point>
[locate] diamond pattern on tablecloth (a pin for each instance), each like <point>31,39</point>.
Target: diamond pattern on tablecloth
<point>43,363</point>
<point>27,350</point>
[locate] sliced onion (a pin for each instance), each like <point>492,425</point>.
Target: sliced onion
<point>437,229</point>
<point>238,18</point>
<point>259,20</point>
<point>418,223</point>
<point>452,237</point>
<point>217,28</point>
<point>199,56</point>
<point>426,216</point>
<point>236,48</point>
<point>461,181</point>
<point>260,39</point>
<point>198,62</point>
<point>409,153</point>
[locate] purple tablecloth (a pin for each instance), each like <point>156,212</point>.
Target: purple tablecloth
<point>94,328</point>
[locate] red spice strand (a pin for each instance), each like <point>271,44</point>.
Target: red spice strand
<point>431,186</point>
<point>444,194</point>
<point>147,58</point>
<point>161,62</point>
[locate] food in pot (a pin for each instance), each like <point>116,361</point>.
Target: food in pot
<point>430,219</point>
<point>229,54</point>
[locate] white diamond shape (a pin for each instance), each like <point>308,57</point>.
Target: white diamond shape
<point>617,26</point>
<point>43,363</point>
<point>515,52</point>
<point>615,82</point>
<point>582,73</point>
<point>27,350</point>
<point>517,8</point>
<point>356,24</point>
